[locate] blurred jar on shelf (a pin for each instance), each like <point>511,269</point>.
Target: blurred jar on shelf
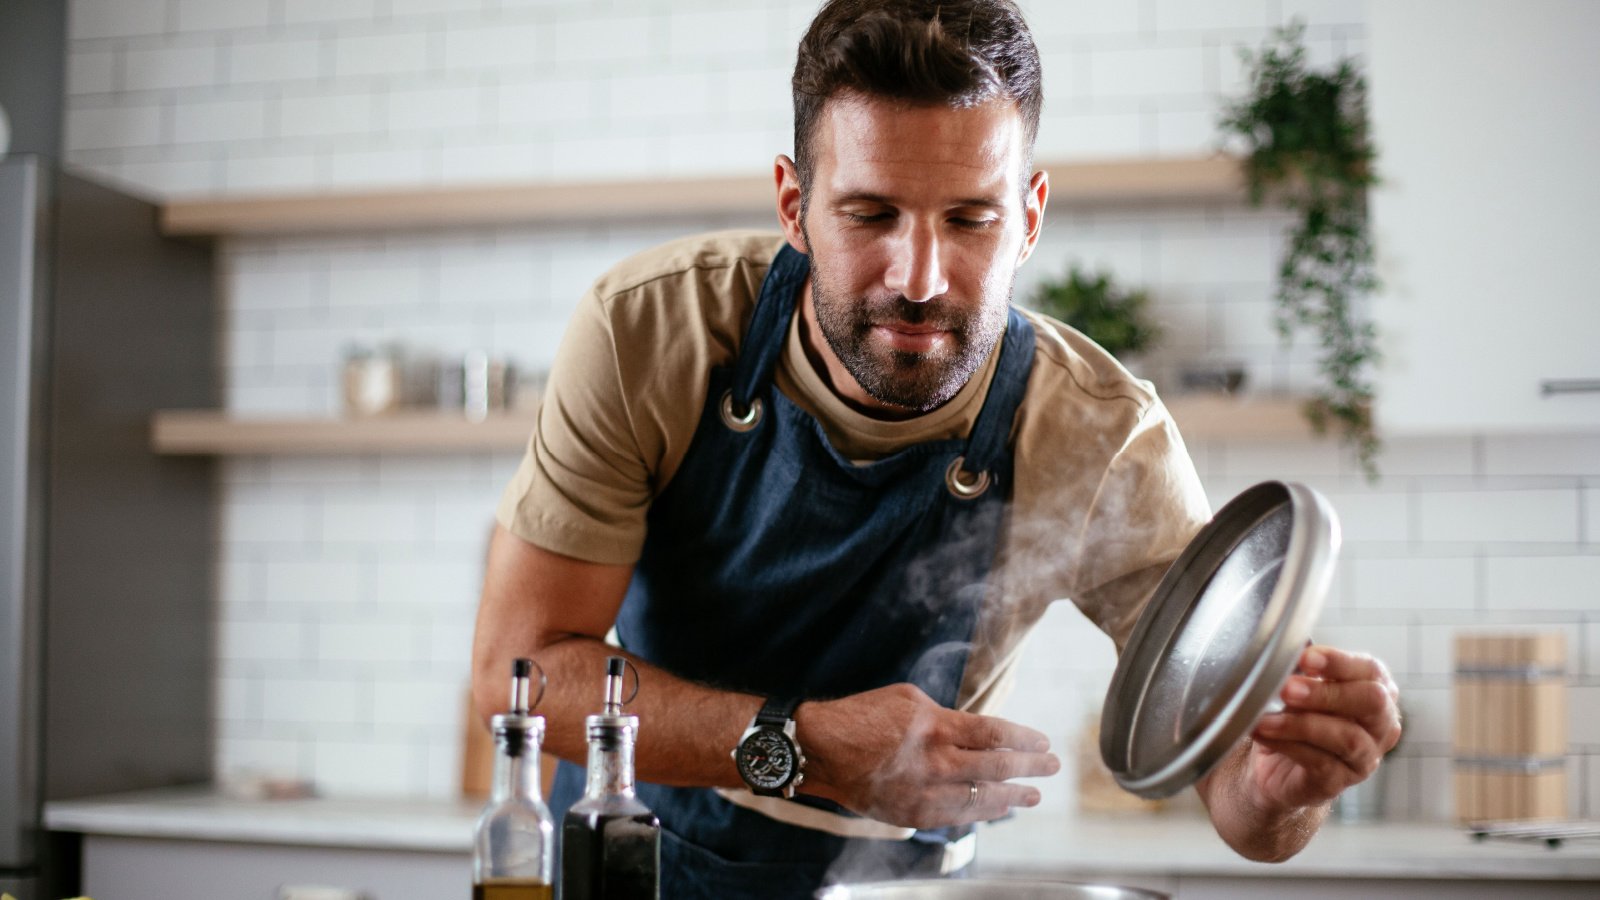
<point>477,385</point>
<point>372,380</point>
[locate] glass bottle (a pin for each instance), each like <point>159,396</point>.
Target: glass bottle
<point>610,841</point>
<point>512,845</point>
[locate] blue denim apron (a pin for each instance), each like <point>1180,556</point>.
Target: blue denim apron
<point>775,566</point>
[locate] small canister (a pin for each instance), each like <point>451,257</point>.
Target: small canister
<point>485,385</point>
<point>371,382</point>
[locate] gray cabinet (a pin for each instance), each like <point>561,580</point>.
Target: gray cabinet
<point>1483,113</point>
<point>128,868</point>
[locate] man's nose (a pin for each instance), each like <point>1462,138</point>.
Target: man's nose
<point>917,272</point>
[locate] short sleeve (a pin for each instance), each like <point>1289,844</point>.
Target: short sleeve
<point>583,487</point>
<point>1148,506</point>
<point>626,392</point>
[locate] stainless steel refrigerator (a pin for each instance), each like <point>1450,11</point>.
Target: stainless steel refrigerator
<point>106,549</point>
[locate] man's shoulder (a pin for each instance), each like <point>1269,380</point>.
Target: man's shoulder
<point>1075,383</point>
<point>687,261</point>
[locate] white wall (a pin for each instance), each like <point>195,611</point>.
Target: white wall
<point>348,584</point>
<point>201,96</point>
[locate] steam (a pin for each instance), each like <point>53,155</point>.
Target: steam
<point>940,668</point>
<point>1114,516</point>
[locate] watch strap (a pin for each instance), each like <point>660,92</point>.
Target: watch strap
<point>777,711</point>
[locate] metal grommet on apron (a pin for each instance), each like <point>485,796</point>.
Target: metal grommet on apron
<point>964,484</point>
<point>736,420</point>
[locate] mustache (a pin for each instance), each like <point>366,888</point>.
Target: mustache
<point>897,310</point>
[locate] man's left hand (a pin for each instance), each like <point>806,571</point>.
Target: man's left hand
<point>1341,715</point>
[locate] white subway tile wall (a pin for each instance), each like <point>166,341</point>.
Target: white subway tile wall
<point>92,19</point>
<point>348,585</point>
<point>191,65</point>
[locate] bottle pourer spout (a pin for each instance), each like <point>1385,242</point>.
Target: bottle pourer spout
<point>521,668</point>
<point>614,668</point>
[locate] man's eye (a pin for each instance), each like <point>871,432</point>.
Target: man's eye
<point>864,218</point>
<point>973,224</point>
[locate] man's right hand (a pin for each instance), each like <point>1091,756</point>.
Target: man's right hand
<point>895,755</point>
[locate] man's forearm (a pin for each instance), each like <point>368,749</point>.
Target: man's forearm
<point>686,730</point>
<point>917,764</point>
<point>890,752</point>
<point>554,608</point>
<point>1255,832</point>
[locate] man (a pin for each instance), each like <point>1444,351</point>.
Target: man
<point>823,484</point>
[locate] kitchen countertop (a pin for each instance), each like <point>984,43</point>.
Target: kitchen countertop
<point>1186,845</point>
<point>203,813</point>
<point>1032,842</point>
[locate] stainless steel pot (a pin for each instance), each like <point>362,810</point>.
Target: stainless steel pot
<point>985,889</point>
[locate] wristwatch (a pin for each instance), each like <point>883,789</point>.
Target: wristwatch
<point>768,757</point>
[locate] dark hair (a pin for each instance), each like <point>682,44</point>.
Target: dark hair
<point>957,52</point>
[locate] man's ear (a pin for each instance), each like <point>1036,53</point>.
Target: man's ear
<point>1033,212</point>
<point>787,179</point>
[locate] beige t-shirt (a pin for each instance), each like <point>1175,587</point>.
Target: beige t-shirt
<point>1104,494</point>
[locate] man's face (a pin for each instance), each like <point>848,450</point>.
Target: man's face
<point>915,227</point>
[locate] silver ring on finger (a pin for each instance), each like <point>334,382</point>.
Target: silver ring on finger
<point>972,795</point>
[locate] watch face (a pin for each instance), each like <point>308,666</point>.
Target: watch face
<point>766,759</point>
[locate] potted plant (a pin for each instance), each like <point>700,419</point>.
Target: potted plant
<point>1306,143</point>
<point>1114,318</point>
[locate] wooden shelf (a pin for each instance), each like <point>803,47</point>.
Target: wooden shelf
<point>1219,417</point>
<point>205,432</point>
<point>1191,179</point>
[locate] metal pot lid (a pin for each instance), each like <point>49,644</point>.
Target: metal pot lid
<point>1221,635</point>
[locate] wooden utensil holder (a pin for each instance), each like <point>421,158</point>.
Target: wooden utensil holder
<point>1510,727</point>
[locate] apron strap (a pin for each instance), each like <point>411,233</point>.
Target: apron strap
<point>763,340</point>
<point>986,447</point>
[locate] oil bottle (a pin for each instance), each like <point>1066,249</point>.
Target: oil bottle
<point>611,842</point>
<point>512,844</point>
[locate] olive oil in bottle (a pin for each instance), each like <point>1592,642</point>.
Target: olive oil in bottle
<point>611,842</point>
<point>512,844</point>
<point>513,889</point>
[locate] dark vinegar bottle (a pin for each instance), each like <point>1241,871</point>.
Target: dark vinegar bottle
<point>611,842</point>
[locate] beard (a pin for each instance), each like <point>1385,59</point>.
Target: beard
<point>915,381</point>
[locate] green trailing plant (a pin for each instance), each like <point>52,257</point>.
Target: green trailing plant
<point>1308,149</point>
<point>1108,315</point>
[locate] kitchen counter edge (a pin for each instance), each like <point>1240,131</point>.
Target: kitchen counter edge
<point>1033,842</point>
